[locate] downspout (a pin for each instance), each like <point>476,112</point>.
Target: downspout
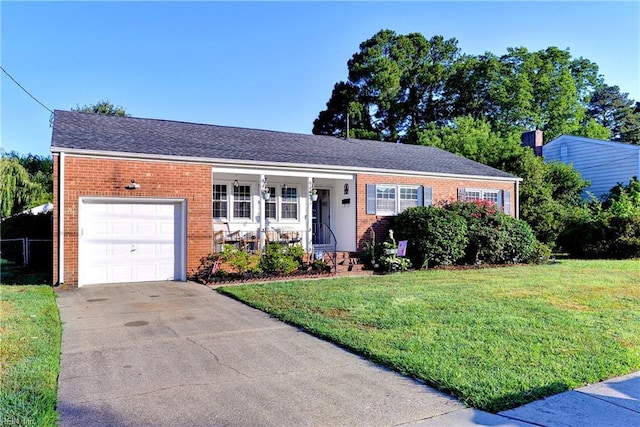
<point>517,200</point>
<point>61,221</point>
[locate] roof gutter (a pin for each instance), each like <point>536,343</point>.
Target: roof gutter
<point>252,164</point>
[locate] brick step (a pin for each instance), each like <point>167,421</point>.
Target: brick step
<point>348,261</point>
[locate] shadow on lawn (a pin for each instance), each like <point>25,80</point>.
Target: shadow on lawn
<point>12,275</point>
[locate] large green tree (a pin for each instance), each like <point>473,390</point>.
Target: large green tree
<point>401,85</point>
<point>615,111</point>
<point>18,189</point>
<point>395,87</point>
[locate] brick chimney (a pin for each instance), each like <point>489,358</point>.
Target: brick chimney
<point>533,139</point>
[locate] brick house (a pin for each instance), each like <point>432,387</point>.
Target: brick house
<point>143,199</point>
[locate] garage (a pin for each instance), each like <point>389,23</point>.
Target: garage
<point>125,240</point>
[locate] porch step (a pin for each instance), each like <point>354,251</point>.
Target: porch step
<point>348,261</point>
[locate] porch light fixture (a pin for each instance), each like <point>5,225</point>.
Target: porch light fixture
<point>133,185</point>
<point>313,193</point>
<point>266,195</point>
<point>236,184</point>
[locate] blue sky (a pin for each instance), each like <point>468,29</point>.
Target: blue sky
<point>260,65</point>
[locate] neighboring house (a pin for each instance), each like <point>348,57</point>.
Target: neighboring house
<point>141,199</point>
<point>603,163</point>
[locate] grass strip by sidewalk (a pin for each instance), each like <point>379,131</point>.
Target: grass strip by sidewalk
<point>29,356</point>
<point>494,338</point>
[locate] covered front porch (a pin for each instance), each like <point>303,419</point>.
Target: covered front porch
<point>253,207</point>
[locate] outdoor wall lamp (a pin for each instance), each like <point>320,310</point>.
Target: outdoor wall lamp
<point>133,185</point>
<point>313,193</point>
<point>266,195</point>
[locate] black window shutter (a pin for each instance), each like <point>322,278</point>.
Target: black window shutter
<point>371,199</point>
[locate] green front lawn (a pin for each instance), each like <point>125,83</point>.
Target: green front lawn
<point>495,338</point>
<point>29,355</point>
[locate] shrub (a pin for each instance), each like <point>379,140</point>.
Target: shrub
<point>519,241</point>
<point>494,237</point>
<point>242,261</point>
<point>602,235</point>
<point>624,233</point>
<point>610,229</point>
<point>540,253</point>
<point>435,236</point>
<point>279,259</point>
<point>485,230</point>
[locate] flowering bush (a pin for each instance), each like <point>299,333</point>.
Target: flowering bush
<point>464,232</point>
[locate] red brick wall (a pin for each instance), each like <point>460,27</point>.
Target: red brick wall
<point>443,189</point>
<point>107,177</point>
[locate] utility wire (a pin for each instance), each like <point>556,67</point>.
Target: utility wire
<point>25,91</point>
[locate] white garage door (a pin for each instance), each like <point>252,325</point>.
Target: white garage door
<point>121,241</point>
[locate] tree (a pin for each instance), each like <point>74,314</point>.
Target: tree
<point>401,85</point>
<point>471,138</point>
<point>39,168</point>
<point>395,87</point>
<point>17,190</point>
<point>615,111</point>
<point>104,107</point>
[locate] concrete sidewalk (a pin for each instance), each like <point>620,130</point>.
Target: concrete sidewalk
<point>179,354</point>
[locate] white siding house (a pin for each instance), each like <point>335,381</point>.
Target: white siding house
<point>603,163</point>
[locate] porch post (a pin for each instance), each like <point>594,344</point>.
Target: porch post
<point>263,237</point>
<point>309,216</point>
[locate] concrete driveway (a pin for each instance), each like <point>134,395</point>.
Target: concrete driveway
<point>180,354</point>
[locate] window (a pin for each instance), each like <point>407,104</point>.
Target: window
<point>472,195</point>
<point>408,198</point>
<point>385,199</point>
<point>389,199</point>
<point>270,206</point>
<point>289,203</point>
<point>220,201</point>
<point>490,196</point>
<point>501,198</point>
<point>242,201</point>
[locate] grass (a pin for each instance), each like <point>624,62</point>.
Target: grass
<point>494,338</point>
<point>29,356</point>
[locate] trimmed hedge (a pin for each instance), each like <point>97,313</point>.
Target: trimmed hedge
<point>435,236</point>
<point>465,232</point>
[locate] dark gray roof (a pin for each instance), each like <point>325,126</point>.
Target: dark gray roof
<point>93,132</point>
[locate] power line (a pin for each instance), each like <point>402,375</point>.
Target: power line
<point>25,91</point>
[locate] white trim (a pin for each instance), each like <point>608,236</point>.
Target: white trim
<point>277,167</point>
<point>280,172</point>
<point>180,264</point>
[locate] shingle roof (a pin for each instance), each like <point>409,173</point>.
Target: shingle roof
<point>93,132</point>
